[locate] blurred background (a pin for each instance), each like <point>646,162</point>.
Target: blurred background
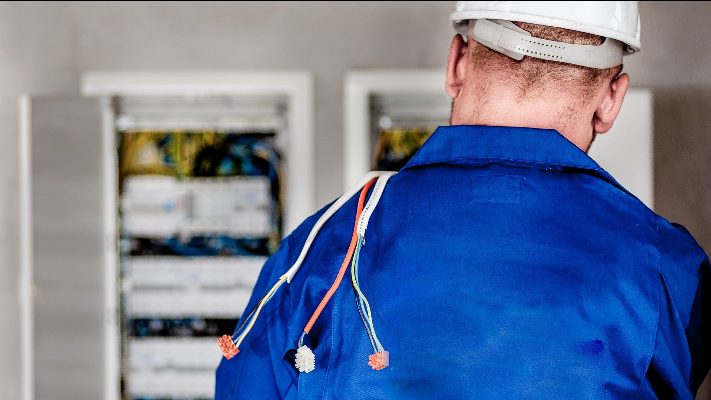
<point>155,153</point>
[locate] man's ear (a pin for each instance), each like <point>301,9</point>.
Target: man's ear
<point>457,66</point>
<point>611,103</point>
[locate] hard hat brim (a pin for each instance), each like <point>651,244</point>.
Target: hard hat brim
<point>461,17</point>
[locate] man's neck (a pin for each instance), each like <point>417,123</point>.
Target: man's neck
<point>501,105</point>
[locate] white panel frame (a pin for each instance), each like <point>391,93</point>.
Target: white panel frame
<point>359,87</point>
<point>297,86</point>
<point>112,335</point>
<point>611,150</point>
<point>26,276</point>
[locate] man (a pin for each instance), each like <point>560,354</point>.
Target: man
<point>502,262</point>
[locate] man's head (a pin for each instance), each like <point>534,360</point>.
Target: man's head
<point>492,88</point>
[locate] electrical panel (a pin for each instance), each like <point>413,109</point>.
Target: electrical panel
<point>200,210</point>
<point>401,124</point>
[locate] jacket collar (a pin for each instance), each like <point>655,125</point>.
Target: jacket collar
<point>475,144</point>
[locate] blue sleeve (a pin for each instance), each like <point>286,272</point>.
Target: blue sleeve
<point>262,370</point>
<point>252,373</point>
<point>697,326</point>
<point>682,355</point>
<point>699,329</point>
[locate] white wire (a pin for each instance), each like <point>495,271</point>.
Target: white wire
<point>253,319</point>
<point>362,300</point>
<point>289,275</point>
<point>373,202</point>
<point>362,227</point>
<point>326,216</point>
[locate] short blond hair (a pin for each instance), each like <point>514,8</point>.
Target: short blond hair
<point>533,74</point>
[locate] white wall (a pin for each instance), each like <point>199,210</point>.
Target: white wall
<point>44,47</point>
<point>36,55</point>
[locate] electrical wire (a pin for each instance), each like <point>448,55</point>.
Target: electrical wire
<point>346,261</point>
<point>363,304</point>
<point>248,323</point>
<point>380,358</point>
<point>230,344</point>
<point>362,318</point>
<point>326,216</point>
<point>258,310</point>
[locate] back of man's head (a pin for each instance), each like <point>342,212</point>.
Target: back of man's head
<point>512,73</point>
<point>533,76</point>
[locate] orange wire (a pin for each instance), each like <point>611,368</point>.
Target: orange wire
<point>346,260</point>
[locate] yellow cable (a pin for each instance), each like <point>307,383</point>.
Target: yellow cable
<point>262,302</point>
<point>369,315</point>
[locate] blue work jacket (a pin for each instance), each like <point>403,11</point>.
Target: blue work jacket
<point>500,263</point>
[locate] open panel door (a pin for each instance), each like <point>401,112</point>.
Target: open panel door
<point>66,271</point>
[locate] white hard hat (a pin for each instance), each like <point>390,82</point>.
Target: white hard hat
<point>615,20</point>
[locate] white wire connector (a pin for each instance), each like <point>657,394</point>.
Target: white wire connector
<point>305,359</point>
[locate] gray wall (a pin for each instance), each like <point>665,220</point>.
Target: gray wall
<point>44,47</point>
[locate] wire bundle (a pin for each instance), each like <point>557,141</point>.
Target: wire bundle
<point>230,344</point>
<point>305,358</point>
<point>379,359</point>
<point>344,266</point>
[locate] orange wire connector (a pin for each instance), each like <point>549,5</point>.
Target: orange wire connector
<point>379,360</point>
<point>227,346</point>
